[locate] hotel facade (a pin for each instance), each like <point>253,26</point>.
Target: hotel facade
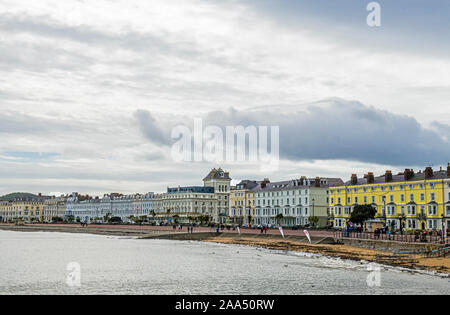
<point>408,200</point>
<point>294,202</point>
<point>209,202</point>
<point>27,209</point>
<point>242,202</point>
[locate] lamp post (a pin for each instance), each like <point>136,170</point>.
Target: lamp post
<point>444,230</point>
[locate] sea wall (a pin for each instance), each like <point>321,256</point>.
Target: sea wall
<point>390,245</point>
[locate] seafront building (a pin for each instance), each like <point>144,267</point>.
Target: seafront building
<point>207,203</point>
<point>126,207</point>
<point>186,204</point>
<point>294,202</point>
<point>220,181</point>
<point>54,207</point>
<point>408,200</point>
<point>447,199</point>
<point>242,202</point>
<point>23,208</point>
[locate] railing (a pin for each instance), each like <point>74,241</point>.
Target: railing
<point>397,237</point>
<point>441,252</point>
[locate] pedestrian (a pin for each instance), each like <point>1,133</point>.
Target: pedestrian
<point>265,230</point>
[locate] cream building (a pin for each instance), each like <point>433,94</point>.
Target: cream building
<point>221,182</point>
<point>54,207</point>
<point>184,204</point>
<point>242,202</point>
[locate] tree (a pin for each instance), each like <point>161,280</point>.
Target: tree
<point>57,220</point>
<point>279,217</point>
<point>115,220</point>
<point>107,217</point>
<point>314,220</point>
<point>362,213</point>
<point>70,218</point>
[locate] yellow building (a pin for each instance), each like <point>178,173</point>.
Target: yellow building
<point>5,208</point>
<point>413,201</point>
<point>25,208</point>
<point>242,203</point>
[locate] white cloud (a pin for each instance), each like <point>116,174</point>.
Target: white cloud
<point>73,73</point>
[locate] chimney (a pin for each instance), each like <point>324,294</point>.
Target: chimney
<point>388,176</point>
<point>302,181</point>
<point>409,174</point>
<point>354,179</point>
<point>317,182</point>
<point>370,178</point>
<point>448,170</point>
<point>428,172</point>
<point>265,182</point>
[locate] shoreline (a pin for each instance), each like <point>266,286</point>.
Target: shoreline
<point>322,246</point>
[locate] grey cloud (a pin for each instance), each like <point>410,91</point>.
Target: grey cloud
<point>344,130</point>
<point>150,128</point>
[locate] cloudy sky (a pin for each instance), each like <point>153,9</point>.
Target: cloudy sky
<point>90,90</point>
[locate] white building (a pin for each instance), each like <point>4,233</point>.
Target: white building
<point>447,198</point>
<point>294,202</point>
<point>88,209</point>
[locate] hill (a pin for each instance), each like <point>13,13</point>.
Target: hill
<point>10,197</point>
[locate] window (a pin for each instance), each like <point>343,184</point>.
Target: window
<point>432,209</point>
<point>433,196</point>
<point>411,210</point>
<point>411,197</point>
<point>402,198</point>
<point>422,197</point>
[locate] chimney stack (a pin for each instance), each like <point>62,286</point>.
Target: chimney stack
<point>354,179</point>
<point>370,178</point>
<point>388,176</point>
<point>428,172</point>
<point>317,182</point>
<point>265,182</point>
<point>409,174</point>
<point>448,170</point>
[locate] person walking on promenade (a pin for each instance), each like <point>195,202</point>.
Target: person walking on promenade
<point>265,230</point>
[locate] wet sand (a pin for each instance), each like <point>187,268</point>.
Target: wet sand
<point>440,264</point>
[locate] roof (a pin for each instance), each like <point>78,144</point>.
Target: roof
<point>297,184</point>
<point>400,178</point>
<point>247,184</point>
<point>217,174</point>
<point>191,189</point>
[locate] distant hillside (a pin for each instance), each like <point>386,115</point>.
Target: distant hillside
<point>15,195</point>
